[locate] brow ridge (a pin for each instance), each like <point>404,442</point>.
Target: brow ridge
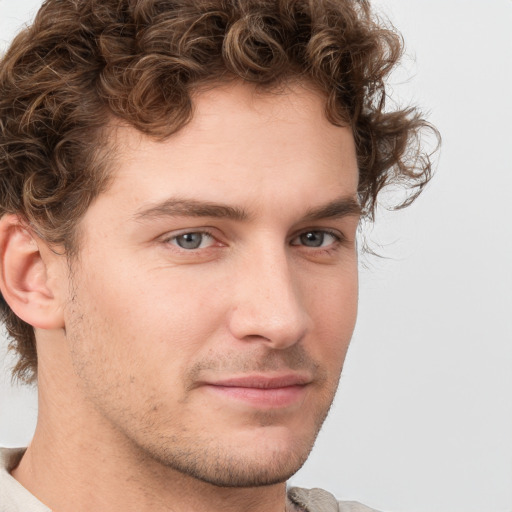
<point>180,207</point>
<point>338,208</point>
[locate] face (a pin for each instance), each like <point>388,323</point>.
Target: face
<point>214,296</point>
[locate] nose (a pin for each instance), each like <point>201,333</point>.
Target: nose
<point>267,303</point>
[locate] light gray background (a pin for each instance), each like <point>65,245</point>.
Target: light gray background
<point>423,419</point>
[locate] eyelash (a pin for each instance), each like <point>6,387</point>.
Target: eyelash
<point>338,237</point>
<point>202,232</point>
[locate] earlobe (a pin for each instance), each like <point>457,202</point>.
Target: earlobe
<point>24,276</point>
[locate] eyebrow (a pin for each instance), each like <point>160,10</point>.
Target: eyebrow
<point>342,207</point>
<point>179,207</point>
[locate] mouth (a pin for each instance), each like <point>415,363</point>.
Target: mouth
<point>262,391</point>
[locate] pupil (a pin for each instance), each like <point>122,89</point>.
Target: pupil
<point>190,240</point>
<point>312,238</point>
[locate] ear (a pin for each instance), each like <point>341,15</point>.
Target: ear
<point>24,281</point>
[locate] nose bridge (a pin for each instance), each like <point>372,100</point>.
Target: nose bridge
<point>267,302</point>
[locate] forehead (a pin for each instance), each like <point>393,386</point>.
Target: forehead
<point>241,141</point>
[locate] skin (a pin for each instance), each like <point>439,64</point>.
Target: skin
<point>196,378</point>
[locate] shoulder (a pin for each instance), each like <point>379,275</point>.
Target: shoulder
<point>13,496</point>
<point>318,500</point>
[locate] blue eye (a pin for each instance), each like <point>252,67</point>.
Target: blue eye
<point>315,239</point>
<point>312,239</point>
<point>193,240</point>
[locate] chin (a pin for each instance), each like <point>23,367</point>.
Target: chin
<point>239,471</point>
<point>263,460</point>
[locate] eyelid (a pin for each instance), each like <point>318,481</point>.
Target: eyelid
<point>338,236</point>
<point>169,237</point>
<point>179,232</point>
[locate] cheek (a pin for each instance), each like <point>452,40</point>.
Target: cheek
<point>161,301</point>
<point>141,330</point>
<point>333,307</point>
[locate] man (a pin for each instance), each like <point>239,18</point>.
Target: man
<point>181,186</point>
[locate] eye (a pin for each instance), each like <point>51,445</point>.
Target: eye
<point>192,240</point>
<point>316,239</point>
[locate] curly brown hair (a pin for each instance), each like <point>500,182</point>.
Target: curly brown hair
<point>83,63</point>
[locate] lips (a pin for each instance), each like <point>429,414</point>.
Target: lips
<point>262,391</point>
